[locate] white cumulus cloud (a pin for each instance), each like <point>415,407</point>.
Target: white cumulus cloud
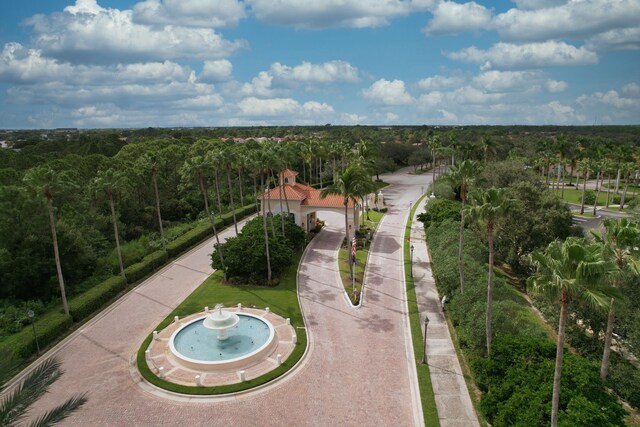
<point>96,35</point>
<point>385,92</point>
<point>190,13</point>
<point>277,107</point>
<point>453,18</point>
<point>618,39</point>
<point>328,72</point>
<point>334,13</point>
<point>494,81</point>
<point>573,19</point>
<point>526,56</point>
<point>216,71</point>
<point>440,82</point>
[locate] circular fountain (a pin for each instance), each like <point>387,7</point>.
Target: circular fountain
<point>221,321</point>
<point>222,340</point>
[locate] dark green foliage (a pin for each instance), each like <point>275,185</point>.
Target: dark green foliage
<point>245,255</point>
<point>87,303</point>
<point>148,264</point>
<point>537,218</point>
<point>518,379</point>
<point>438,210</point>
<point>48,327</point>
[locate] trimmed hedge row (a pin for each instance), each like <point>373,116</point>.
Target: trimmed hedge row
<point>204,230</point>
<point>88,302</point>
<point>148,264</point>
<point>49,327</point>
<point>52,325</point>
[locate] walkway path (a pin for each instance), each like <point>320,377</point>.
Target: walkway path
<point>451,393</point>
<point>359,369</point>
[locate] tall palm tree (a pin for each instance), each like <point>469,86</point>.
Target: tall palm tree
<point>462,175</point>
<point>347,185</point>
<point>620,242</point>
<point>585,166</point>
<point>487,206</point>
<point>110,181</point>
<point>565,271</point>
<point>488,146</point>
<point>151,163</point>
<point>228,157</point>
<point>194,169</point>
<point>48,182</point>
<point>262,163</point>
<point>15,405</point>
<point>597,165</point>
<point>434,145</point>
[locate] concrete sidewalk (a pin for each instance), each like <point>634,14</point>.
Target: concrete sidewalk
<point>451,393</point>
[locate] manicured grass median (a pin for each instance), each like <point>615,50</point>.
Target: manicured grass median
<point>361,261</point>
<point>429,409</point>
<point>281,299</point>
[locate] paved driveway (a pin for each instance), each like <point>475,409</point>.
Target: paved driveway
<point>359,370</point>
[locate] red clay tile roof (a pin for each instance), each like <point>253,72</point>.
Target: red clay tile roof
<point>308,196</point>
<point>288,173</point>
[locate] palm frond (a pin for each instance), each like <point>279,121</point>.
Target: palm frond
<point>13,407</point>
<point>60,412</point>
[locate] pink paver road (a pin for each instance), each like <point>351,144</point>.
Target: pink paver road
<point>359,369</point>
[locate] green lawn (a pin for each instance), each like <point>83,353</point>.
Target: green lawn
<point>281,299</point>
<point>361,262</point>
<point>575,196</point>
<point>429,409</point>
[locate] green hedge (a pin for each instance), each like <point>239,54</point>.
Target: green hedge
<point>88,302</point>
<point>148,264</point>
<point>204,230</point>
<point>48,327</point>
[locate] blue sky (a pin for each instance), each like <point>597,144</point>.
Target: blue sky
<point>124,63</point>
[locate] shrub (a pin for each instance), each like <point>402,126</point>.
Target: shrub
<point>518,380</point>
<point>438,210</point>
<point>148,264</point>
<point>589,197</point>
<point>245,255</point>
<point>88,302</point>
<point>48,327</point>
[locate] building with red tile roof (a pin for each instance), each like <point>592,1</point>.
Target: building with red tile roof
<point>304,201</point>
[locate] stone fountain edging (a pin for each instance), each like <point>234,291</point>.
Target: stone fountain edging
<point>153,389</point>
<point>162,362</point>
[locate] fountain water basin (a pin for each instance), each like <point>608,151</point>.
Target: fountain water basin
<point>222,341</point>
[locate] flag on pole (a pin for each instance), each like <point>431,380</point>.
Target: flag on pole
<point>353,247</point>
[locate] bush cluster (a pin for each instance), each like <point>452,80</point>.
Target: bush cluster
<point>245,255</point>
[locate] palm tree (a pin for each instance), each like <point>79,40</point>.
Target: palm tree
<point>488,145</point>
<point>598,165</point>
<point>585,166</point>
<point>569,270</point>
<point>195,168</point>
<point>47,182</point>
<point>110,181</point>
<point>462,175</point>
<point>228,162</point>
<point>620,243</point>
<point>262,163</point>
<point>434,146</point>
<point>487,206</point>
<point>15,405</point>
<point>150,163</point>
<point>348,185</point>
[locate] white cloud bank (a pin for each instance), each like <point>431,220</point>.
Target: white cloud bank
<point>389,93</point>
<point>509,56</point>
<point>454,18</point>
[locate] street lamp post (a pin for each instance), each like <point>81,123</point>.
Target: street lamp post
<point>411,260</point>
<point>31,315</point>
<point>424,355</point>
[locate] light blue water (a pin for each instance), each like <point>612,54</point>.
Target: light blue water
<point>197,342</point>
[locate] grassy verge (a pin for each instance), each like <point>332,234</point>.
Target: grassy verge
<point>362,255</point>
<point>429,409</point>
<point>281,299</point>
